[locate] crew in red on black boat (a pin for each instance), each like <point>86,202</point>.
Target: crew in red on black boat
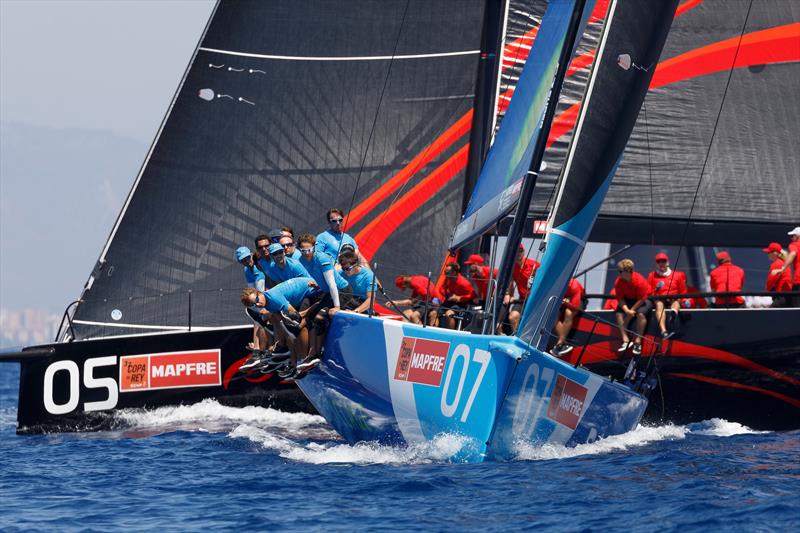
<point>422,290</point>
<point>572,303</point>
<point>779,279</point>
<point>793,260</point>
<point>632,291</point>
<point>458,293</point>
<point>522,276</point>
<point>727,277</point>
<point>665,281</point>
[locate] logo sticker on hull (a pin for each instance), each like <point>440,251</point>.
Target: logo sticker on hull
<point>567,402</point>
<point>171,370</point>
<point>421,361</point>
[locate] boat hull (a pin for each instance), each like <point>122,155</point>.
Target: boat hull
<point>742,365</point>
<point>399,383</point>
<point>79,385</point>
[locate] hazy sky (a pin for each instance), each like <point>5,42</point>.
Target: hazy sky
<point>100,64</point>
<point>73,75</point>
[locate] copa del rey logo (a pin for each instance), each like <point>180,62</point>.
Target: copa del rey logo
<point>566,402</point>
<point>421,361</point>
<point>172,370</point>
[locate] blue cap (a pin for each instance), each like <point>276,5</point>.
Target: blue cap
<point>242,252</point>
<point>275,247</point>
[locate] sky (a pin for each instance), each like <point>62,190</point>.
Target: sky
<point>84,86</point>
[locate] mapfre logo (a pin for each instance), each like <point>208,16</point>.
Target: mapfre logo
<point>567,402</point>
<point>421,361</point>
<point>171,370</point>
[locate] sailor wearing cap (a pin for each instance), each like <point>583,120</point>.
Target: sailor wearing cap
<point>727,277</point>
<point>282,268</point>
<point>779,278</point>
<point>663,282</point>
<point>252,275</point>
<point>793,260</point>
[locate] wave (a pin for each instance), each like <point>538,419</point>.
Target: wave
<point>641,436</point>
<point>438,450</point>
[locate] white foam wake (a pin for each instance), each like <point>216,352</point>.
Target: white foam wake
<point>718,427</point>
<point>640,436</point>
<point>440,449</point>
<point>210,415</point>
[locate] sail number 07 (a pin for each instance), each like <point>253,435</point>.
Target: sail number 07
<point>482,357</point>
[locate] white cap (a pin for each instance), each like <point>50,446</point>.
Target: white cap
<point>795,231</point>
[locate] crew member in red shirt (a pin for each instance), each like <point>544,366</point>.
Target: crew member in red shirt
<point>779,279</point>
<point>458,293</point>
<point>422,290</point>
<point>521,277</point>
<point>664,282</point>
<point>571,304</point>
<point>479,275</point>
<point>727,277</point>
<point>633,291</point>
<point>793,260</point>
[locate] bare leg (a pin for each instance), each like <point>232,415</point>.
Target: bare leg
<point>563,327</point>
<point>513,319</point>
<point>661,316</point>
<point>641,324</point>
<point>622,324</point>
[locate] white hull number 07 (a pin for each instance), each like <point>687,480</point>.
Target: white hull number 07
<point>481,357</point>
<point>89,381</point>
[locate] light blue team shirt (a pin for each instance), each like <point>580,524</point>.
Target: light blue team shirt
<point>318,266</point>
<point>292,269</point>
<point>255,278</point>
<point>292,292</point>
<point>361,283</point>
<point>296,255</point>
<point>328,242</point>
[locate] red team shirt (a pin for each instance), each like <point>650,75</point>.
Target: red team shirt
<point>727,278</point>
<point>794,246</point>
<point>482,282</point>
<point>574,293</point>
<point>523,274</point>
<point>638,289</point>
<point>461,287</point>
<point>779,282</point>
<point>674,283</point>
<point>419,288</point>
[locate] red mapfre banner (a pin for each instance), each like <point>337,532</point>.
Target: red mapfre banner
<point>567,402</point>
<point>421,361</point>
<point>171,370</point>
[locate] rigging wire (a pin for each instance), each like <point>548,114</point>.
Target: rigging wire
<point>713,133</point>
<point>377,114</point>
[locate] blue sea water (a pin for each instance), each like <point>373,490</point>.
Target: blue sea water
<point>211,467</point>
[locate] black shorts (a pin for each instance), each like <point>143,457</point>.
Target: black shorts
<point>324,300</point>
<point>352,302</point>
<point>643,309</point>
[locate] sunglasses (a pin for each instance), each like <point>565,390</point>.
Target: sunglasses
<point>257,302</point>
<point>277,254</point>
<point>307,251</point>
<point>349,268</point>
<point>288,245</point>
<point>335,220</point>
<point>263,246</point>
<point>661,261</point>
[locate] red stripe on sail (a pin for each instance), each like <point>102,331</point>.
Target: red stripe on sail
<point>372,236</point>
<point>444,141</point>
<point>725,383</point>
<point>774,45</point>
<point>686,6</point>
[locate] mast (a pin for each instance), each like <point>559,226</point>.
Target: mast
<point>529,183</point>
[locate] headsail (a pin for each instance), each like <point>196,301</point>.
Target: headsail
<point>633,31</point>
<point>500,182</point>
<point>746,194</point>
<point>287,109</point>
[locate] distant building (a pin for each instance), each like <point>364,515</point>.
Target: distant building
<point>26,327</point>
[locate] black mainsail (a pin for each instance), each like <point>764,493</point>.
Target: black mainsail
<point>287,109</point>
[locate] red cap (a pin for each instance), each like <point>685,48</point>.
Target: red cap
<point>521,248</point>
<point>474,259</point>
<point>773,247</point>
<point>662,256</point>
<point>399,281</point>
<point>723,256</point>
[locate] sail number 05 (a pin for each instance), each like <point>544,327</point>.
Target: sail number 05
<point>89,381</point>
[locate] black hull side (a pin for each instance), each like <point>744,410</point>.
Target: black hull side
<point>85,371</point>
<point>741,365</point>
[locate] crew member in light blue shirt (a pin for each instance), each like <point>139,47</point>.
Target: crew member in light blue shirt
<point>282,268</point>
<point>255,279</point>
<point>362,281</point>
<point>252,275</point>
<point>331,240</point>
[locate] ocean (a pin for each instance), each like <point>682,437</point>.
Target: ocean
<point>210,467</point>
